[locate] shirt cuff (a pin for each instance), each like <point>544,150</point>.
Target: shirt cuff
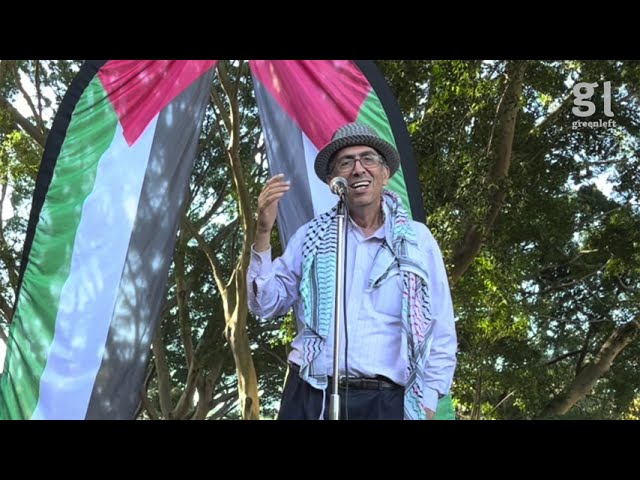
<point>260,261</point>
<point>430,398</point>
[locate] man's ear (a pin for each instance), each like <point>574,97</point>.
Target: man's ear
<point>385,178</point>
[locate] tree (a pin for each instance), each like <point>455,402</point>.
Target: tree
<point>512,198</point>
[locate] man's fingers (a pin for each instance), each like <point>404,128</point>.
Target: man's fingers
<point>272,190</point>
<point>270,199</point>
<point>276,182</point>
<point>275,178</point>
<point>277,189</point>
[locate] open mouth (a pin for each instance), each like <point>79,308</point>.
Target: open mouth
<point>361,185</point>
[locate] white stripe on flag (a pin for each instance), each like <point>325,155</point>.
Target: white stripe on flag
<point>88,296</point>
<point>321,197</point>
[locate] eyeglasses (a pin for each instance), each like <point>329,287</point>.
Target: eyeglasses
<point>345,164</point>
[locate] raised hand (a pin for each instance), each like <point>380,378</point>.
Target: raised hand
<point>273,191</point>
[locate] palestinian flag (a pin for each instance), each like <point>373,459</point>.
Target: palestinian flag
<point>301,104</point>
<point>101,235</point>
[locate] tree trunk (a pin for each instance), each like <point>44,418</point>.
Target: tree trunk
<point>589,375</point>
<point>239,341</point>
<point>235,296</point>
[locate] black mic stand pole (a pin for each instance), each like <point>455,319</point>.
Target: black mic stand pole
<point>334,404</point>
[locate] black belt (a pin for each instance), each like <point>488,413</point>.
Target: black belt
<point>363,383</point>
<point>360,383</point>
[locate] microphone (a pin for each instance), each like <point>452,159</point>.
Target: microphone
<point>338,186</point>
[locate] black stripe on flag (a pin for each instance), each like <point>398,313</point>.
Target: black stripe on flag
<point>118,385</point>
<point>286,155</point>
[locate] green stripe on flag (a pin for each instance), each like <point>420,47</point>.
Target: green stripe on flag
<point>374,115</point>
<point>90,133</point>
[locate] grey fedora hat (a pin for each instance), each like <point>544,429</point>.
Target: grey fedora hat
<point>356,134</point>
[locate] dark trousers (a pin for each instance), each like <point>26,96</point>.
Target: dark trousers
<point>300,401</point>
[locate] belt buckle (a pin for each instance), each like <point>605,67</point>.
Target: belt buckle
<point>351,382</point>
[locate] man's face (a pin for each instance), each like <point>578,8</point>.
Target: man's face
<point>365,171</point>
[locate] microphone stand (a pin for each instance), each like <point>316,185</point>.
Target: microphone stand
<point>334,404</point>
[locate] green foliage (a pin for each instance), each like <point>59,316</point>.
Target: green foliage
<point>557,272</point>
<point>559,268</point>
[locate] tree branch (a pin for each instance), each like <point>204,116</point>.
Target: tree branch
<point>496,118</point>
<point>145,401</point>
<point>182,294</point>
<point>212,328</point>
<point>3,194</point>
<point>502,401</point>
<point>210,254</point>
<point>562,357</point>
<point>26,125</point>
<point>233,151</point>
<point>39,96</point>
<point>220,106</point>
<point>624,287</point>
<point>229,400</point>
<point>585,348</point>
<point>553,115</point>
<point>4,67</point>
<point>27,97</point>
<point>476,234</point>
<point>572,282</point>
<point>7,311</point>
<point>162,369</point>
<point>204,219</point>
<point>206,389</point>
<point>279,359</point>
<point>214,127</point>
<point>148,406</point>
<point>584,382</point>
<point>5,252</point>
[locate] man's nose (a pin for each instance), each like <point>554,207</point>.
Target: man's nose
<point>358,168</point>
